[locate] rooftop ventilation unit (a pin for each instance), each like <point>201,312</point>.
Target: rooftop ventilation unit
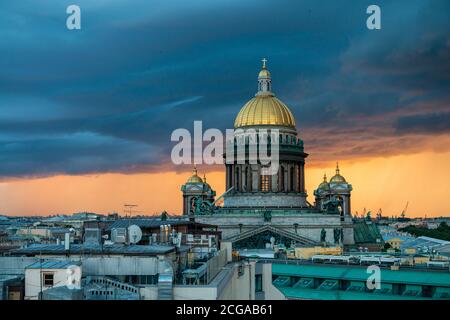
<point>119,235</point>
<point>92,236</point>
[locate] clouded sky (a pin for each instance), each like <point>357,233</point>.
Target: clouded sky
<point>105,99</point>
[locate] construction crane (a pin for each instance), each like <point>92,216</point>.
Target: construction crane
<point>379,214</point>
<point>403,214</point>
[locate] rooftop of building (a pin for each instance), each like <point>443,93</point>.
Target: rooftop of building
<point>424,242</point>
<point>153,223</point>
<point>97,249</point>
<point>358,273</point>
<point>366,232</point>
<point>65,264</point>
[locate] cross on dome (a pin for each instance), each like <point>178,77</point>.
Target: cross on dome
<point>264,60</point>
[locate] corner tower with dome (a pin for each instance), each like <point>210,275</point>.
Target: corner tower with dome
<point>339,189</point>
<point>260,209</point>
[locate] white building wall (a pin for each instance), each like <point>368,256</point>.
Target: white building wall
<point>34,281</point>
<point>270,291</point>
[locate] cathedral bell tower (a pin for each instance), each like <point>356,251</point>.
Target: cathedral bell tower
<point>196,188</point>
<point>337,189</point>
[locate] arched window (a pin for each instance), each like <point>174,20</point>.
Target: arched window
<point>265,185</point>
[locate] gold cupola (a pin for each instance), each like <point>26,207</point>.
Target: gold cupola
<point>324,184</point>
<point>194,178</point>
<point>264,109</point>
<point>337,178</point>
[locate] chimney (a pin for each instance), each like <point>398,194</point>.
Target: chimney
<point>67,241</point>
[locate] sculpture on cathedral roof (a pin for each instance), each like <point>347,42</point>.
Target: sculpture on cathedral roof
<point>267,216</point>
<point>332,206</point>
<point>323,235</point>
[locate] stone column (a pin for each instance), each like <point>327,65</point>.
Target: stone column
<point>302,180</point>
<point>288,180</point>
<point>296,170</point>
<point>233,176</point>
<point>249,179</point>
<point>243,178</point>
<point>238,178</point>
<point>228,178</point>
<point>255,177</point>
<point>274,179</point>
<point>348,209</point>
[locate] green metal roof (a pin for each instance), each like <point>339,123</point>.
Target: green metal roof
<point>299,293</point>
<point>366,232</point>
<point>355,273</point>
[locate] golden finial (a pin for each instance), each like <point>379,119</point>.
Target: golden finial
<point>204,178</point>
<point>337,167</point>
<point>194,171</point>
<point>324,177</point>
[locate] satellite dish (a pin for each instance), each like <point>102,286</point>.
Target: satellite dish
<point>134,234</point>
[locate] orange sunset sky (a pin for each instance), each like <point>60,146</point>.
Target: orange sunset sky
<point>86,115</point>
<point>386,183</point>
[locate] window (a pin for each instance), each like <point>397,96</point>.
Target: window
<point>48,279</point>
<point>265,183</point>
<point>258,283</point>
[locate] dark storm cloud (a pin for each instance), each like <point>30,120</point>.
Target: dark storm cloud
<point>425,123</point>
<point>107,97</point>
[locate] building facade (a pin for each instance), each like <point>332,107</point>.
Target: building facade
<point>262,206</point>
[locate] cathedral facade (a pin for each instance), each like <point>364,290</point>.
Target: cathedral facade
<point>260,207</point>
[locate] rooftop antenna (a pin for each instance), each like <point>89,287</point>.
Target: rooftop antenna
<point>128,209</point>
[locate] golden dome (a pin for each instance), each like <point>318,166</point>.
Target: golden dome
<point>264,109</point>
<point>194,178</point>
<point>324,184</point>
<point>264,73</point>
<point>337,178</point>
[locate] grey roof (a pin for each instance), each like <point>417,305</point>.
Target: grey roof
<point>53,264</point>
<point>145,223</point>
<point>36,249</point>
<point>7,277</point>
<point>426,242</point>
